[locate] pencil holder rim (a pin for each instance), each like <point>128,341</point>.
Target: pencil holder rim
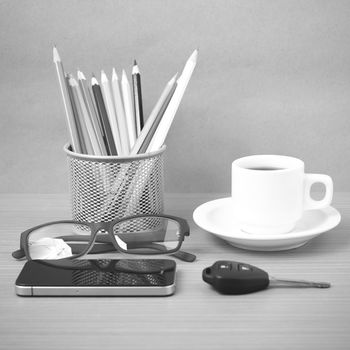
<point>121,159</point>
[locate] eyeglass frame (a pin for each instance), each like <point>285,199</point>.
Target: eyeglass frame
<point>95,227</point>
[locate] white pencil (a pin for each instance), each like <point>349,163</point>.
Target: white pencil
<point>73,132</point>
<point>154,116</point>
<point>107,96</point>
<point>168,117</point>
<point>129,111</point>
<point>119,108</point>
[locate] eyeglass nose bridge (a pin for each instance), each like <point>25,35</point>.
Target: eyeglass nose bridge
<point>97,227</point>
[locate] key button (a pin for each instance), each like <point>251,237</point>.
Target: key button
<point>225,266</point>
<point>242,267</point>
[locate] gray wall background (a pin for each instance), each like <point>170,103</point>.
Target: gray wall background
<point>272,77</point>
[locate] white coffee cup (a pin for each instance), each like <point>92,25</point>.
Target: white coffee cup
<point>271,192</point>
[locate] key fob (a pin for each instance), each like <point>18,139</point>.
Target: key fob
<point>231,277</point>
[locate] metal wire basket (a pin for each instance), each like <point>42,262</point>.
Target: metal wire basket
<point>105,188</point>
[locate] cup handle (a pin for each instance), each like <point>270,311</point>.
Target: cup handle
<point>311,179</point>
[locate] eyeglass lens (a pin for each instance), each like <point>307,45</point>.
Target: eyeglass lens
<point>147,234</point>
<point>51,241</point>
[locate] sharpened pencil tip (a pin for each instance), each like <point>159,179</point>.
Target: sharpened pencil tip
<point>104,78</point>
<point>171,81</point>
<point>124,80</point>
<point>94,80</point>
<point>114,74</point>
<point>72,81</point>
<point>194,55</point>
<point>56,56</point>
<point>135,63</point>
<point>81,75</point>
<point>135,69</point>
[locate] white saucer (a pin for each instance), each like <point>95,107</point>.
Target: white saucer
<point>217,218</point>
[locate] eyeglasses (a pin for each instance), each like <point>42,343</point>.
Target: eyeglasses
<point>141,234</point>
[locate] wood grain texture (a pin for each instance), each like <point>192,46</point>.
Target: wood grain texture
<point>195,317</point>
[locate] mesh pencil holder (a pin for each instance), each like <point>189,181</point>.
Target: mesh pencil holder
<point>105,188</point>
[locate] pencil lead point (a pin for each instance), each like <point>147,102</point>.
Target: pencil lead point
<point>94,80</point>
<point>72,81</point>
<point>135,68</point>
<point>114,74</point>
<point>56,56</point>
<point>81,75</point>
<point>194,55</point>
<point>104,78</point>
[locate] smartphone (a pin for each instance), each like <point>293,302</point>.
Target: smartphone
<point>104,277</point>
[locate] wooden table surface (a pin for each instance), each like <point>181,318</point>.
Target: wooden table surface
<point>195,317</point>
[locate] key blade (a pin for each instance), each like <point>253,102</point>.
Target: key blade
<point>275,282</point>
<point>322,285</point>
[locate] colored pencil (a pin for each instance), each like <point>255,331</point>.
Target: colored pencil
<point>102,113</point>
<point>128,108</point>
<point>90,137</point>
<point>137,95</point>
<point>72,127</point>
<point>154,118</point>
<point>107,97</point>
<point>99,148</point>
<point>119,108</point>
<point>168,117</point>
<point>73,85</point>
<point>76,117</point>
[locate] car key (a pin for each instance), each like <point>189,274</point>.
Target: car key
<point>231,277</point>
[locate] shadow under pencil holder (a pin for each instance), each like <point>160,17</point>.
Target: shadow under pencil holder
<point>105,188</point>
